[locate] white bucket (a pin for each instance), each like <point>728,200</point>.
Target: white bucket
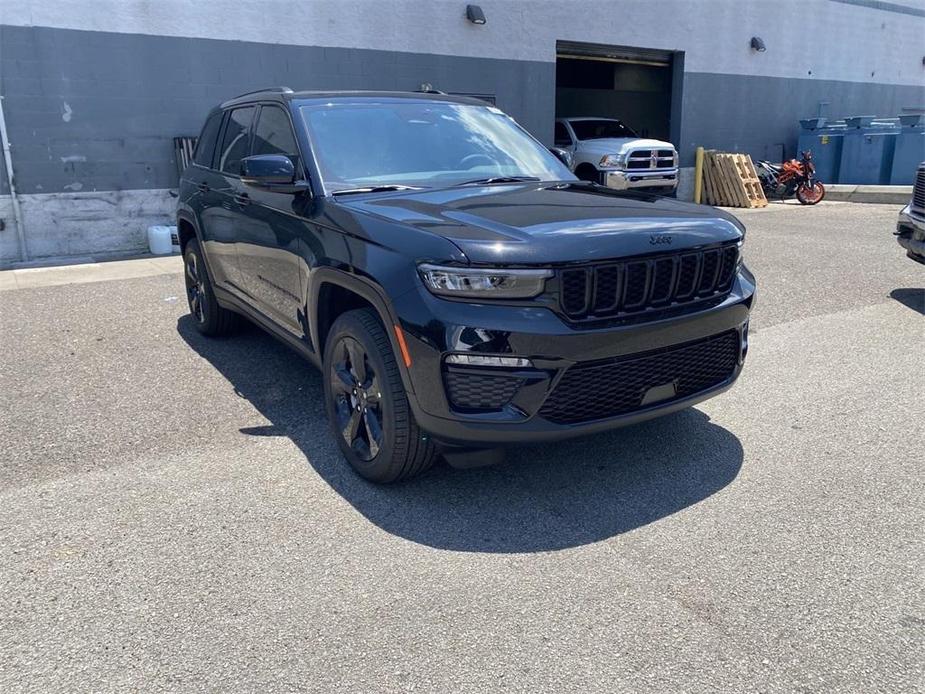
<point>159,241</point>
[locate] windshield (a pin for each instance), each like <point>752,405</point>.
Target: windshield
<point>427,144</point>
<point>600,129</point>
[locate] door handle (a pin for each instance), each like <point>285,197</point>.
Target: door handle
<point>242,198</point>
<point>203,187</point>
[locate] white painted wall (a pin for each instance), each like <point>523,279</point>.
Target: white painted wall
<point>817,39</point>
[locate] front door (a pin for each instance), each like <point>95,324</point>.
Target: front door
<point>268,239</point>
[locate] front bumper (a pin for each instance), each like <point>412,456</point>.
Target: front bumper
<point>910,233</point>
<point>434,327</point>
<point>625,180</point>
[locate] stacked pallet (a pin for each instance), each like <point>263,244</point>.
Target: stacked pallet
<point>731,180</point>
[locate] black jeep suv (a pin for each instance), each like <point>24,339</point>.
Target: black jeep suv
<point>458,287</point>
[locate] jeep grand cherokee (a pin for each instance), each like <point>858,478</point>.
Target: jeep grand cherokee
<point>458,287</point>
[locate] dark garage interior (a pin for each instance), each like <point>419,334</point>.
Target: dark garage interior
<point>631,84</point>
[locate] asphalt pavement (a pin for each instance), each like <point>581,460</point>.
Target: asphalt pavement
<point>174,515</point>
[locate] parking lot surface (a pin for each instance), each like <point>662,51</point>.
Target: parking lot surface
<point>174,515</point>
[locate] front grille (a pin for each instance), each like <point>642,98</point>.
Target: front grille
<point>644,158</point>
<point>918,193</point>
<point>472,391</point>
<point>599,390</point>
<point>632,286</point>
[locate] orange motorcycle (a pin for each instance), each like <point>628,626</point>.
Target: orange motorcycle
<point>792,177</point>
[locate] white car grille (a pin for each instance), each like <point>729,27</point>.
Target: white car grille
<point>650,159</point>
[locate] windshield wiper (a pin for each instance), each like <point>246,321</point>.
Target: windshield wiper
<point>498,179</point>
<point>375,189</point>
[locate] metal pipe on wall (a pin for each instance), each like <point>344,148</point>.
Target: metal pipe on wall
<point>8,165</point>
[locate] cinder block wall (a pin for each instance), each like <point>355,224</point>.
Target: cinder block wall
<point>95,92</point>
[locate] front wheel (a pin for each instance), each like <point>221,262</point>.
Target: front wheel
<point>810,193</point>
<point>367,406</point>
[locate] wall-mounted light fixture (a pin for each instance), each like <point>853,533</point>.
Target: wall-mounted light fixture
<point>758,45</point>
<point>474,14</point>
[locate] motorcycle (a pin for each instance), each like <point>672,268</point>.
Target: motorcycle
<point>792,177</point>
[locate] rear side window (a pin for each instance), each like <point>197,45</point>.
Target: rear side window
<point>235,141</point>
<point>205,147</point>
<point>273,134</point>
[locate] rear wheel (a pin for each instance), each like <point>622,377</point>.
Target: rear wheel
<point>211,319</point>
<point>367,407</point>
<point>810,194</point>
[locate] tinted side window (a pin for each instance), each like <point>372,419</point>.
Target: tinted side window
<point>562,137</point>
<point>205,147</point>
<point>273,134</point>
<point>235,141</point>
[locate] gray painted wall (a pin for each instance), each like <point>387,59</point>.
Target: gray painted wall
<point>94,111</point>
<point>752,114</point>
<point>98,111</point>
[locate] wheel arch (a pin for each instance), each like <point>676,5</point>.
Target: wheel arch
<point>186,230</point>
<point>334,292</point>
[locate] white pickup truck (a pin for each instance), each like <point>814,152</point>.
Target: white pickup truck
<point>607,151</point>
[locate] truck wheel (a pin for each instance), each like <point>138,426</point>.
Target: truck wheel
<point>211,319</point>
<point>586,172</point>
<point>367,407</point>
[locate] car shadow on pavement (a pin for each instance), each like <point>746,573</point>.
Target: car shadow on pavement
<point>913,298</point>
<point>542,498</point>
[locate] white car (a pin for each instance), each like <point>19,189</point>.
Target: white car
<point>607,151</point>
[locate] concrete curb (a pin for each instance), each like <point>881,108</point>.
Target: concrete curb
<point>899,195</point>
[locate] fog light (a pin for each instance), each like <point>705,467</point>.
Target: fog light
<point>482,360</point>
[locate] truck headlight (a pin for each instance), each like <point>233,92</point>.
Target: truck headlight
<point>484,283</point>
<point>613,161</point>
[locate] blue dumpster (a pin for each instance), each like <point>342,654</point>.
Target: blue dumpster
<point>867,150</point>
<point>824,139</point>
<point>910,149</point>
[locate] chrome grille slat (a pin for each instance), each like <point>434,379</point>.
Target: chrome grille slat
<point>918,192</point>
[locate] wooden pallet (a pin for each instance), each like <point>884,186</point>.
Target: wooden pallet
<point>731,180</point>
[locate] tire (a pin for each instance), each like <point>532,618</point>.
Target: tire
<point>210,318</point>
<point>811,195</point>
<point>586,172</point>
<point>367,407</point>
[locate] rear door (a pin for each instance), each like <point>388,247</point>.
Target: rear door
<point>207,202</point>
<point>268,240</point>
<point>230,194</point>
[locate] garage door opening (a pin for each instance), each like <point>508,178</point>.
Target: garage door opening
<point>640,87</point>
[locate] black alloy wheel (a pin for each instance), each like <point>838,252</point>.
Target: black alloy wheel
<point>211,318</point>
<point>368,409</point>
<point>195,287</point>
<point>357,392</point>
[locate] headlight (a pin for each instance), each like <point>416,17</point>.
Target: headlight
<point>613,161</point>
<point>484,283</point>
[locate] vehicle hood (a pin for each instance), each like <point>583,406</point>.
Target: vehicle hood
<point>552,223</point>
<point>618,145</point>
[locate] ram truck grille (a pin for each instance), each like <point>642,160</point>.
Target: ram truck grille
<point>918,192</point>
<point>648,159</point>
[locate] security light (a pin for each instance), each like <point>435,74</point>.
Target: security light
<point>474,14</point>
<point>758,45</point>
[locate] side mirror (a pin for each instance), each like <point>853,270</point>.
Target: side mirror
<point>273,172</point>
<point>564,156</point>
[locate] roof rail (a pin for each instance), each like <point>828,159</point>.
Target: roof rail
<point>280,90</point>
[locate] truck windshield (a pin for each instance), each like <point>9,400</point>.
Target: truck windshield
<point>600,129</point>
<point>422,144</point>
